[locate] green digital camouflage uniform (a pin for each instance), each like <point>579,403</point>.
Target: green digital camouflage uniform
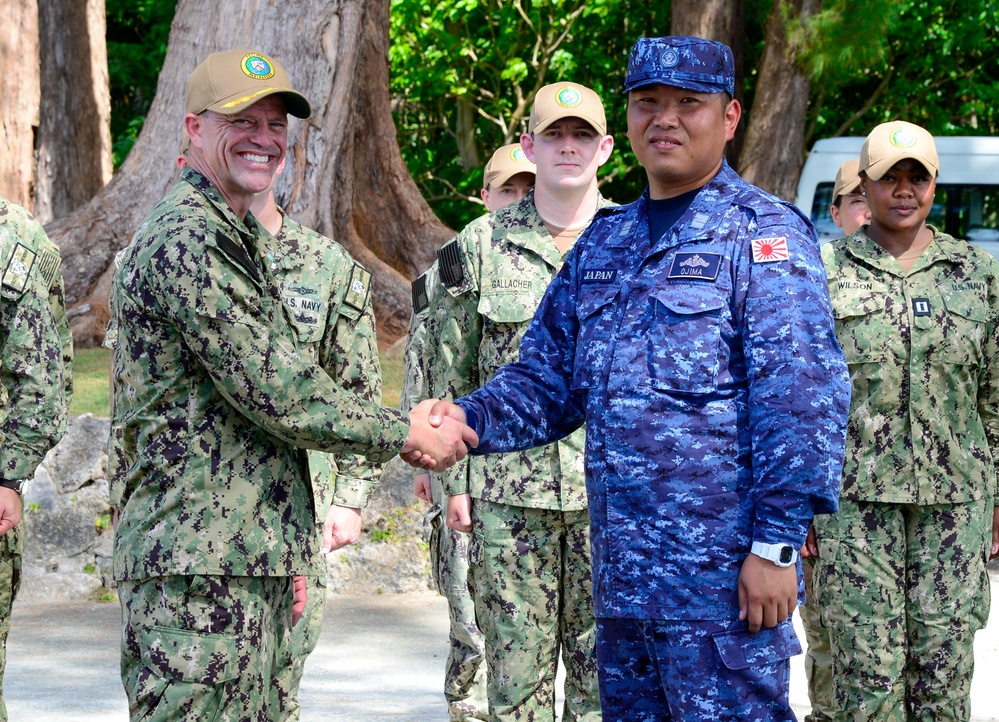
<point>530,550</point>
<point>213,409</point>
<point>901,579</point>
<point>32,382</point>
<point>465,670</point>
<point>326,300</point>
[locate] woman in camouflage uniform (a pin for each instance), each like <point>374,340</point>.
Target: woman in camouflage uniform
<point>901,579</point>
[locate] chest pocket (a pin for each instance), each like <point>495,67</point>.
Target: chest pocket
<point>506,317</point>
<point>964,327</point>
<point>595,329</point>
<point>862,329</point>
<point>307,316</point>
<point>684,342</point>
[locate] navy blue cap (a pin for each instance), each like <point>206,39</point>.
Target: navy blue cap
<point>681,61</point>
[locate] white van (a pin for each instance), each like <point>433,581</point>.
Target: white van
<point>966,204</point>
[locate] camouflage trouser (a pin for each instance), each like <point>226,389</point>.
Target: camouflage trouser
<point>657,670</point>
<point>204,648</point>
<point>902,590</point>
<point>304,638</point>
<point>11,548</point>
<point>530,573</point>
<point>818,661</point>
<point>465,673</point>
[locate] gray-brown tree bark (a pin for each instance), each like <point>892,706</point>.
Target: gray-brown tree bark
<point>775,137</point>
<point>19,88</point>
<point>345,176</point>
<point>74,128</point>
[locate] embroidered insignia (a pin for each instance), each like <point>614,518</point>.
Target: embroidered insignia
<point>699,221</point>
<point>48,266</point>
<point>257,67</point>
<point>451,264</point>
<point>670,58</point>
<point>920,307</point>
<point>518,156</point>
<point>357,287</point>
<point>902,138</point>
<point>420,298</point>
<point>696,266</point>
<point>568,97</point>
<point>768,250</point>
<point>598,275</point>
<point>15,276</point>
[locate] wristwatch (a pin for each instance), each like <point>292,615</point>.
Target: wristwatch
<point>15,484</point>
<point>783,555</point>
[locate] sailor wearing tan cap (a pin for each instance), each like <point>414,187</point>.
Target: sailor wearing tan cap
<point>900,577</point>
<point>506,179</point>
<point>213,408</point>
<point>849,209</point>
<point>529,554</point>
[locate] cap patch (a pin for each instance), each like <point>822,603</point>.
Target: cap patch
<point>257,67</point>
<point>768,250</point>
<point>568,98</point>
<point>670,58</point>
<point>902,138</point>
<point>518,155</point>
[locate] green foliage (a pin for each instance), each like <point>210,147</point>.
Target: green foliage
<point>89,568</point>
<point>91,394</point>
<point>137,35</point>
<point>464,75</point>
<point>102,522</point>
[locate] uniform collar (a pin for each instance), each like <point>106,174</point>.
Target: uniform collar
<point>525,228</point>
<point>215,198</point>
<point>942,248</point>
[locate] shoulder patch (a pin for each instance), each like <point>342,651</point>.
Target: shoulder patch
<point>48,265</point>
<point>768,250</point>
<point>358,286</point>
<point>18,271</point>
<point>420,298</point>
<point>451,264</point>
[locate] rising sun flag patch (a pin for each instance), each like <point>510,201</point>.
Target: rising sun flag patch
<point>767,250</point>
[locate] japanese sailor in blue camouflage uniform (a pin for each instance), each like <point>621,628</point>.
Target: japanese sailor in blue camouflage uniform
<point>213,409</point>
<point>691,331</point>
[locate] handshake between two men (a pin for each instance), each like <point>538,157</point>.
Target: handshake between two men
<point>439,438</point>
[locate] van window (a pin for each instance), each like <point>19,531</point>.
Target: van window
<point>963,211</point>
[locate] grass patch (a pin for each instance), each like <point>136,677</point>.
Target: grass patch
<point>91,374</point>
<point>91,391</point>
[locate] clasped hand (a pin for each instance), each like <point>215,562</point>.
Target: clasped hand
<point>438,436</point>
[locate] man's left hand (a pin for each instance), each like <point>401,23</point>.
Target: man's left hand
<point>10,509</point>
<point>768,593</point>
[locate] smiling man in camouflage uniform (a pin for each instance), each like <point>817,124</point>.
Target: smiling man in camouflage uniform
<point>32,386</point>
<point>213,409</point>
<point>529,555</point>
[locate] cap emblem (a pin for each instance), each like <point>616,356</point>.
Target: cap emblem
<point>518,155</point>
<point>670,58</point>
<point>902,138</point>
<point>568,98</point>
<point>257,67</point>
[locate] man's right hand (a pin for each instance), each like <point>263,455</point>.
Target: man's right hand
<point>10,509</point>
<point>436,446</point>
<point>421,487</point>
<point>459,513</point>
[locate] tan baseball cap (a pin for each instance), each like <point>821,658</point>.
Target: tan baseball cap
<point>847,179</point>
<point>891,142</point>
<point>566,100</point>
<point>229,81</point>
<point>506,162</point>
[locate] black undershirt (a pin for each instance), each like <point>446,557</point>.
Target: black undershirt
<point>665,212</point>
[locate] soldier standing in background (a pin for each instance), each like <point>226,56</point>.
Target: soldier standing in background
<point>529,556</point>
<point>507,178</point>
<point>33,384</point>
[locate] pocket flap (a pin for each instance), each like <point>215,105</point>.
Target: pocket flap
<point>187,656</point>
<point>740,650</point>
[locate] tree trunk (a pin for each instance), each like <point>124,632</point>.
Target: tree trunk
<point>775,138</point>
<point>19,88</point>
<point>720,20</point>
<point>74,132</point>
<point>344,176</point>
